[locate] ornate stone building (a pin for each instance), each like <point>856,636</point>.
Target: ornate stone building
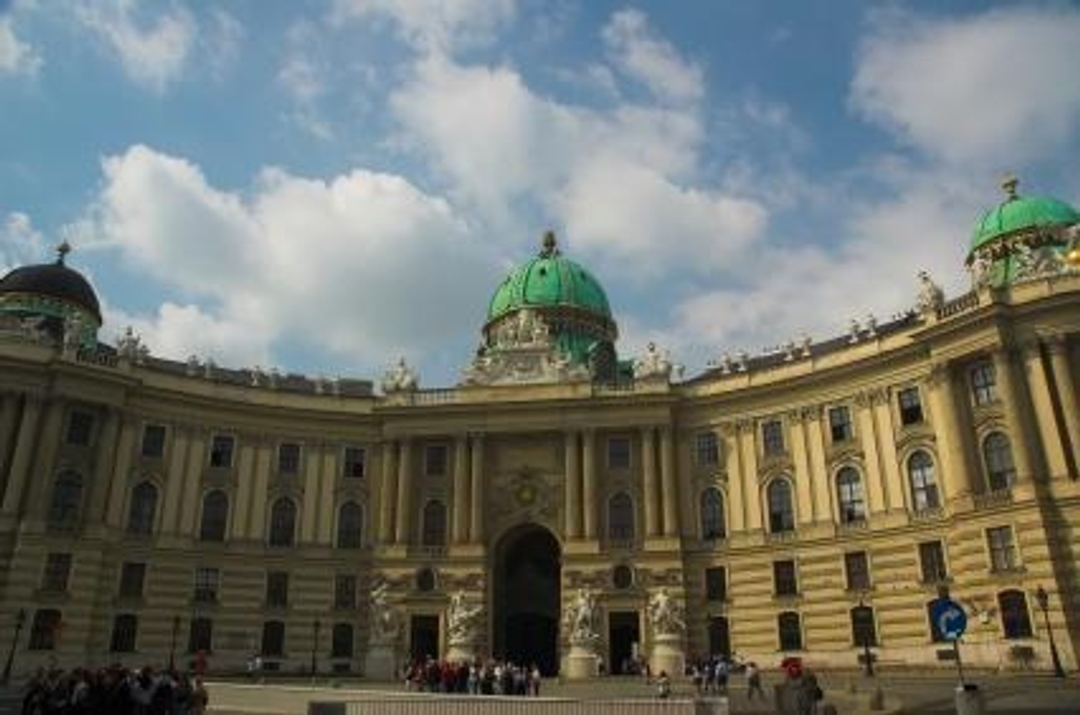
<point>558,502</point>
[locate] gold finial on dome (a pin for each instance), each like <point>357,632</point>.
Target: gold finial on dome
<point>1009,184</point>
<point>61,252</point>
<point>550,245</point>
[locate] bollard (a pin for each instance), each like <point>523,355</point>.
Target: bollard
<point>969,700</point>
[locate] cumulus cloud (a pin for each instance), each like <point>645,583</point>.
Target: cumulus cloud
<point>974,89</point>
<point>433,25</point>
<point>17,57</point>
<point>20,242</point>
<point>640,54</point>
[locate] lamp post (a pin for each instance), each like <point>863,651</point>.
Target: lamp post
<point>1043,599</point>
<point>172,643</point>
<point>315,626</point>
<point>20,619</point>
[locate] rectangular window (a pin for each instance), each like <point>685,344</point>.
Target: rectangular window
<point>201,635</point>
<point>79,427</point>
<point>345,592</point>
<point>153,441</point>
<point>57,572</point>
<point>353,464</point>
<point>910,406</point>
<point>341,643</point>
<point>863,630</point>
<point>772,438</point>
<point>125,628</point>
<point>984,384</point>
<point>716,583</point>
<point>221,451</point>
<point>932,562</point>
<point>435,462</point>
<point>706,449</point>
<point>44,629</point>
<point>206,585</point>
<point>618,453</point>
<point>277,589</point>
<point>857,569</point>
<point>784,582</point>
<point>132,579</point>
<point>840,424</point>
<point>288,458</point>
<point>1002,549</point>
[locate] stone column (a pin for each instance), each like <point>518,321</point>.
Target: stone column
<point>1067,397</point>
<point>387,492</point>
<point>873,482</point>
<point>669,482</point>
<point>1045,420</point>
<point>890,459</point>
<point>193,482</point>
<point>22,456</point>
<point>1012,402</point>
<point>727,440</point>
<point>745,431</point>
<point>404,489</point>
<point>572,485</point>
<point>329,470</point>
<point>9,416</point>
<point>120,472</point>
<point>821,481</point>
<point>246,478</point>
<point>589,486</point>
<point>45,460</point>
<point>174,481</point>
<point>103,465</point>
<point>476,508</point>
<point>650,497</point>
<point>804,502</point>
<point>462,496</point>
<point>309,515</point>
<point>955,473</point>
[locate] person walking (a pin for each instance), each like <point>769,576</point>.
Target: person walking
<point>663,685</point>
<point>753,681</point>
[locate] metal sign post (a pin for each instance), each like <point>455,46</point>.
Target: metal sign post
<point>951,622</point>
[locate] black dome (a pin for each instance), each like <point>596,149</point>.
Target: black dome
<point>54,280</point>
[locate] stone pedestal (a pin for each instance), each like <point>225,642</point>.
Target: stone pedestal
<point>668,656</point>
<point>460,653</point>
<point>380,663</point>
<point>581,663</point>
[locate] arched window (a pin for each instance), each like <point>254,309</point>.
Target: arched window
<point>1000,471</point>
<point>863,631</point>
<point>434,527</point>
<point>621,517</point>
<point>850,492</point>
<point>349,526</point>
<point>66,497</point>
<point>924,491</point>
<point>789,630</point>
<point>273,638</point>
<point>215,516</point>
<point>781,509</point>
<point>143,508</point>
<point>1015,620</point>
<point>341,644</point>
<point>712,514</point>
<point>282,522</point>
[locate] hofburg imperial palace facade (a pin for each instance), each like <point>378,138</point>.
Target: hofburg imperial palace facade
<point>811,500</point>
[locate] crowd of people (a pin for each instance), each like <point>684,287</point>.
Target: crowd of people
<point>493,677</point>
<point>114,691</point>
<point>712,676</point>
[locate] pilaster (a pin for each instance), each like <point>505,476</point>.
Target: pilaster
<point>121,469</point>
<point>572,485</point>
<point>803,491</point>
<point>589,485</point>
<point>955,471</point>
<point>462,497</point>
<point>403,522</point>
<point>650,497</point>
<point>728,440</point>
<point>669,483</point>
<point>387,492</point>
<point>476,511</point>
<point>22,456</point>
<point>1057,347</point>
<point>1012,403</point>
<point>103,463</point>
<point>1042,403</point>
<point>746,433</point>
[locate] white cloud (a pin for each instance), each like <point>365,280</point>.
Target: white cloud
<point>16,56</point>
<point>651,60</point>
<point>20,242</point>
<point>1000,86</point>
<point>434,25</point>
<point>303,75</point>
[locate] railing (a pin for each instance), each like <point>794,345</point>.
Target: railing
<point>855,525</point>
<point>929,514</point>
<point>958,305</point>
<point>996,498</point>
<point>781,537</point>
<point>427,397</point>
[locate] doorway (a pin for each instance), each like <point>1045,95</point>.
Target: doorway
<point>719,637</point>
<point>526,599</point>
<point>624,631</point>
<point>423,637</point>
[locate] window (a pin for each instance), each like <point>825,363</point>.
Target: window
<point>345,592</point>
<point>277,589</point>
<point>924,491</point>
<point>622,576</point>
<point>57,572</point>
<point>936,636</point>
<point>350,525</point>
<point>143,507</point>
<point>221,451</point>
<point>79,427</point>
<point>215,516</point>
<point>618,453</point>
<point>44,629</point>
<point>784,583</point>
<point>772,438</point>
<point>790,631</point>
<point>288,458</point>
<point>125,627</point>
<point>781,509</point>
<point>910,406</point>
<point>206,585</point>
<point>425,580</point>
<point>435,460</point>
<point>66,497</point>
<point>201,635</point>
<point>932,562</point>
<point>716,583</point>
<point>341,641</point>
<point>857,569</point>
<point>1000,472</point>
<point>863,632</point>
<point>153,441</point>
<point>984,384</point>
<point>840,424</point>
<point>282,522</point>
<point>712,514</point>
<point>132,579</point>
<point>434,526</point>
<point>1002,550</point>
<point>1015,620</point>
<point>353,463</point>
<point>621,517</point>
<point>850,492</point>
<point>706,449</point>
<point>273,638</point>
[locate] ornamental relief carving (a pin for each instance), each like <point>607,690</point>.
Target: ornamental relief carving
<point>773,464</point>
<point>526,495</point>
<point>844,451</point>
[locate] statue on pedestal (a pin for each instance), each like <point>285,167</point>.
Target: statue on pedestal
<point>461,619</point>
<point>665,614</point>
<point>400,378</point>
<point>384,625</point>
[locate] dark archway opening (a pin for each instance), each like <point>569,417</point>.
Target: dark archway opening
<point>624,632</point>
<point>527,584</point>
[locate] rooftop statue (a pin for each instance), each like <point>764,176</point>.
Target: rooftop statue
<point>931,296</point>
<point>400,378</point>
<point>654,363</point>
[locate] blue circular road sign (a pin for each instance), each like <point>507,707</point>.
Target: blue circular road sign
<point>949,617</point>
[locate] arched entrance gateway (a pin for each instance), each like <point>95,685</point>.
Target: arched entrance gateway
<point>526,599</point>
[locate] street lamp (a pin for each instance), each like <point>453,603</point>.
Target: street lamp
<point>20,619</point>
<point>172,643</point>
<point>1043,599</point>
<point>315,625</point>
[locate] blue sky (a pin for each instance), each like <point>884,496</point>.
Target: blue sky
<point>324,186</point>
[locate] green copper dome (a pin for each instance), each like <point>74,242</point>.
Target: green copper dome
<point>1020,213</point>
